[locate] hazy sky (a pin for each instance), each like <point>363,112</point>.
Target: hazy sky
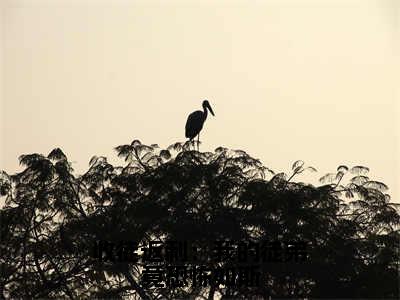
<point>288,80</point>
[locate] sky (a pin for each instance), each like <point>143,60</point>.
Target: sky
<point>288,80</point>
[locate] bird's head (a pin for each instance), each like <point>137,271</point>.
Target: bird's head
<point>206,105</point>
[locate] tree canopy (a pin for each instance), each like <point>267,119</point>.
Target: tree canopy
<point>52,219</point>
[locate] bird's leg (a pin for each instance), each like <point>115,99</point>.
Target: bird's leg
<point>198,142</point>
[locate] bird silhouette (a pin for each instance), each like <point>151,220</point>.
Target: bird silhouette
<point>195,122</point>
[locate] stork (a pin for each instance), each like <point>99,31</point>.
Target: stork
<point>195,122</point>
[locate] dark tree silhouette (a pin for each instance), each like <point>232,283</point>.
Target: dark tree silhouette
<point>52,219</point>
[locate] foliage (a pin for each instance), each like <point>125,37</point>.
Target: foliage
<point>51,215</point>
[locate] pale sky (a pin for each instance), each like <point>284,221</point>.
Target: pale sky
<point>311,80</point>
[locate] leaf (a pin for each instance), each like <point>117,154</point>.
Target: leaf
<point>312,169</point>
<point>176,147</point>
<point>387,197</point>
<point>154,160</point>
<point>4,188</point>
<point>220,150</point>
<point>359,180</point>
<point>57,154</point>
<point>327,178</point>
<point>380,186</point>
<point>342,168</point>
<point>359,170</point>
<point>147,157</point>
<point>297,163</point>
<point>360,203</point>
<point>28,159</point>
<point>279,176</point>
<point>268,170</point>
<point>165,154</point>
<point>136,143</point>
<point>142,148</point>
<point>124,150</point>
<point>240,153</point>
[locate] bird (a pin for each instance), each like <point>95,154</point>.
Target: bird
<point>195,122</point>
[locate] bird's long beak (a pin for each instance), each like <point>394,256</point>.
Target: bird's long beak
<point>210,109</point>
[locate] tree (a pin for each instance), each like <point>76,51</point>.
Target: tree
<point>52,219</point>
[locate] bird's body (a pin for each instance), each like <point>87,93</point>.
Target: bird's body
<point>194,124</point>
<point>195,121</point>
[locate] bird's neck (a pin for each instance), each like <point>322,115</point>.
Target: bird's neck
<point>205,112</point>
